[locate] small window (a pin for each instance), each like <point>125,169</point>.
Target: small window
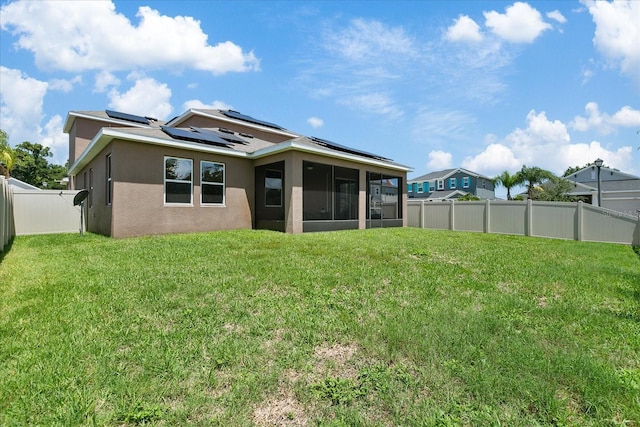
<point>419,187</point>
<point>593,175</point>
<point>178,182</point>
<point>109,189</point>
<point>273,188</point>
<point>212,183</point>
<point>90,187</point>
<point>440,184</point>
<point>453,183</point>
<point>484,183</point>
<point>465,182</point>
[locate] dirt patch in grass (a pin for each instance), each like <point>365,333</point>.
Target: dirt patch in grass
<point>335,361</point>
<point>280,410</point>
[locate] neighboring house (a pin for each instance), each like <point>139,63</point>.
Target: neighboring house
<point>450,184</point>
<point>219,169</point>
<point>619,191</point>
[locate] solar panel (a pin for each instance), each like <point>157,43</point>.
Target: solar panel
<point>227,134</point>
<point>338,147</point>
<point>236,115</point>
<point>187,135</point>
<point>127,117</point>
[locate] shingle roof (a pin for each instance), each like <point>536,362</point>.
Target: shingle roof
<point>444,174</point>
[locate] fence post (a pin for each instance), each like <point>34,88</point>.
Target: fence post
<point>487,216</point>
<point>529,219</point>
<point>422,213</point>
<point>452,216</point>
<point>580,221</point>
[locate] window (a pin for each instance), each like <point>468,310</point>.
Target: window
<point>465,182</point>
<point>453,183</point>
<point>109,189</point>
<point>420,187</point>
<point>484,183</point>
<point>440,184</point>
<point>211,183</point>
<point>90,187</point>
<point>273,188</point>
<point>593,174</point>
<point>178,181</point>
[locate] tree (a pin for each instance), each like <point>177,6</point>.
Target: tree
<point>468,198</point>
<point>32,167</point>
<point>532,176</point>
<point>508,181</point>
<point>7,155</point>
<point>556,190</point>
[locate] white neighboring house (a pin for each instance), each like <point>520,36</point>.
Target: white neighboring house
<point>619,191</point>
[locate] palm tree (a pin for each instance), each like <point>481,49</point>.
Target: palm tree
<point>532,176</point>
<point>508,181</point>
<point>7,155</point>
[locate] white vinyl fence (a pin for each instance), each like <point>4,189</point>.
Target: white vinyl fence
<point>45,211</point>
<point>7,229</point>
<point>560,220</point>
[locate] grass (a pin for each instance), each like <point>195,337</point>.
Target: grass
<point>359,328</point>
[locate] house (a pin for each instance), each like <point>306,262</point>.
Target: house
<point>619,191</point>
<point>450,184</point>
<point>219,169</point>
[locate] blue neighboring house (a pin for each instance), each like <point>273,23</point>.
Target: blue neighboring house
<point>450,184</point>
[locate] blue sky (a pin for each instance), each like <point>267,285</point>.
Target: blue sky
<point>488,86</point>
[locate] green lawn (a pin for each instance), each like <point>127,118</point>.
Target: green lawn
<point>360,328</point>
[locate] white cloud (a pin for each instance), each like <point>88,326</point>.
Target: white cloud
<point>439,160</point>
<point>604,123</point>
<point>64,85</point>
<point>105,80</point>
<point>494,159</point>
<point>315,122</point>
<point>92,35</point>
<point>440,127</point>
<point>557,16</point>
<point>215,105</point>
<point>464,29</point>
<point>364,39</point>
<point>147,97</point>
<point>21,100</point>
<point>376,103</point>
<point>617,35</point>
<point>547,144</point>
<point>520,24</point>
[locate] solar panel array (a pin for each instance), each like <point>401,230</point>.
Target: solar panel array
<point>127,117</point>
<point>338,147</point>
<point>207,137</point>
<point>226,134</point>
<point>236,115</point>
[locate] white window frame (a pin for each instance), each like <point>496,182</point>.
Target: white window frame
<point>165,180</point>
<point>440,183</point>
<point>466,182</point>
<point>453,183</point>
<point>420,189</point>
<point>223,184</point>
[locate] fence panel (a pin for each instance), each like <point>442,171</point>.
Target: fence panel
<point>559,220</point>
<point>603,225</point>
<point>7,228</point>
<point>508,217</point>
<point>555,219</point>
<point>470,216</point>
<point>45,212</point>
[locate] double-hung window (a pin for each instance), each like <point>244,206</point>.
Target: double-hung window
<point>420,187</point>
<point>212,183</point>
<point>178,180</point>
<point>440,184</point>
<point>453,183</point>
<point>465,182</point>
